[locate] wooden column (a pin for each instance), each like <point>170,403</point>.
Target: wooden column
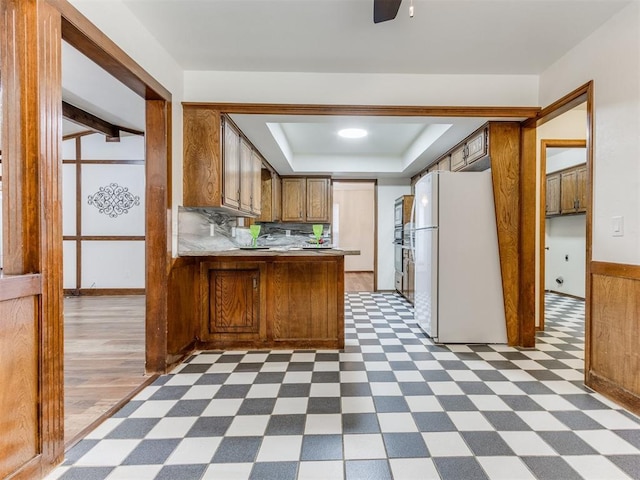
<point>32,443</point>
<point>158,238</point>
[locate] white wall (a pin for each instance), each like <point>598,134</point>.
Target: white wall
<point>104,263</point>
<point>387,195</point>
<point>361,89</point>
<point>114,19</point>
<point>565,237</point>
<point>610,57</point>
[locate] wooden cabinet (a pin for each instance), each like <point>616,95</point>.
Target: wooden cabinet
<point>476,146</point>
<point>457,159</point>
<point>294,195</point>
<point>256,183</point>
<point>318,200</point>
<point>253,302</point>
<point>220,165</point>
<point>271,197</point>
<point>445,164</point>
<point>408,281</point>
<point>246,175</point>
<point>234,302</point>
<point>306,199</point>
<point>566,191</point>
<point>552,202</point>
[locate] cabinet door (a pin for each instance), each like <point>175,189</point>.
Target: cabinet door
<point>318,199</point>
<point>581,188</point>
<point>553,194</point>
<point>294,196</point>
<point>276,188</point>
<point>457,159</point>
<point>266,196</point>
<point>246,175</point>
<point>410,289</point>
<point>234,301</point>
<point>231,153</point>
<point>256,183</point>
<point>477,147</point>
<point>568,192</point>
<point>445,164</point>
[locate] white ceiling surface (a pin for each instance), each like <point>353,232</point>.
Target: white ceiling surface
<point>445,36</point>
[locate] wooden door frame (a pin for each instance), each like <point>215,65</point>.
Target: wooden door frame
<point>582,94</point>
<point>375,219</point>
<point>544,144</point>
<point>31,37</point>
<point>81,34</point>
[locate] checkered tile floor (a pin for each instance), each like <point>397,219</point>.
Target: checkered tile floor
<point>391,405</point>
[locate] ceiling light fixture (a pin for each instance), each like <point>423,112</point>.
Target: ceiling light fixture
<point>352,133</point>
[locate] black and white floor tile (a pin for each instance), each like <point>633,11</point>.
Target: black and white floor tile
<point>391,405</point>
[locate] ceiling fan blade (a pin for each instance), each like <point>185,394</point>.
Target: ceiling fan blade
<point>384,10</point>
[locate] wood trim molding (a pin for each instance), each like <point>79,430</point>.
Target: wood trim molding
<point>544,144</point>
<point>613,391</point>
<point>158,233</point>
<point>95,45</point>
<point>20,286</point>
<point>96,292</point>
<point>368,110</point>
<point>619,270</point>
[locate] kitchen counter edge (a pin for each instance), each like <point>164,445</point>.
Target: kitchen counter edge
<point>330,252</point>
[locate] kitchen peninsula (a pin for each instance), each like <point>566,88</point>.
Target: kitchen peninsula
<point>277,296</point>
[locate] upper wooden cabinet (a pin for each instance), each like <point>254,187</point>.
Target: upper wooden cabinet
<point>220,165</point>
<point>294,195</point>
<point>306,199</point>
<point>567,191</point>
<point>318,200</point>
<point>552,203</point>
<point>472,154</point>
<point>271,196</point>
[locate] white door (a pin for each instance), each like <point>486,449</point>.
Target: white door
<point>426,280</point>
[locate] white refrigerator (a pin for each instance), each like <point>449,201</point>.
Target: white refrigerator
<point>458,284</point>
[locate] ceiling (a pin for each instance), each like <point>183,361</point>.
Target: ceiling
<point>444,36</point>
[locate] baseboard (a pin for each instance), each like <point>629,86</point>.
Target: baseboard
<point>563,294</point>
<point>606,387</point>
<point>94,292</point>
<point>175,359</point>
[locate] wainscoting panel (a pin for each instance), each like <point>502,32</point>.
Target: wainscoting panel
<point>18,383</point>
<point>614,333</point>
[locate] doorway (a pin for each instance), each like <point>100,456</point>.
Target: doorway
<point>562,238</point>
<point>355,228</point>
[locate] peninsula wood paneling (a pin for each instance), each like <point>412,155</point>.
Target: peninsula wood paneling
<point>184,314</point>
<point>614,333</point>
<point>303,298</point>
<point>19,441</point>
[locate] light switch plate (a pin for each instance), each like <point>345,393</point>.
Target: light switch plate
<point>617,226</point>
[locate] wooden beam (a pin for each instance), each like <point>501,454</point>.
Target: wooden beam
<point>86,119</point>
<point>370,110</point>
<point>89,40</point>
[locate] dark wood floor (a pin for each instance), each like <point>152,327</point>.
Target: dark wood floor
<point>104,356</point>
<point>358,282</point>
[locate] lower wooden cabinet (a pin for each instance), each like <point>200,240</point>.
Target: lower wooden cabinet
<point>279,302</point>
<point>234,301</point>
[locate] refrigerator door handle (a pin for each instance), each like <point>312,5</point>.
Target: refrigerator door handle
<point>413,229</point>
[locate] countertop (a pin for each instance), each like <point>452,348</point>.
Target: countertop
<point>270,252</point>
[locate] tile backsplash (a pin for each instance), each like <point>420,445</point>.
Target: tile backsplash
<point>208,229</point>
